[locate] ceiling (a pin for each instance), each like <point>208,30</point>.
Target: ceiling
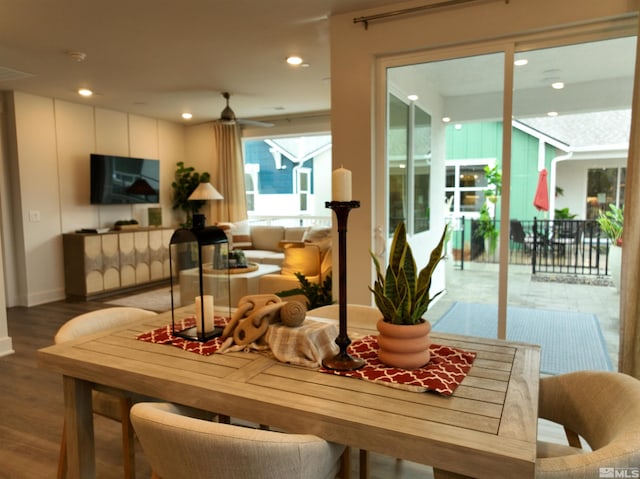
<point>159,58</point>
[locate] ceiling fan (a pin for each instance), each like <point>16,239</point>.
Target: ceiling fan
<point>228,117</point>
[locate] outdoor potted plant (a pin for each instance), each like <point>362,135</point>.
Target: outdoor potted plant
<point>494,180</point>
<point>486,229</point>
<point>611,223</point>
<point>402,296</point>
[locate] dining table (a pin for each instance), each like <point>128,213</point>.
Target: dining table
<point>486,428</point>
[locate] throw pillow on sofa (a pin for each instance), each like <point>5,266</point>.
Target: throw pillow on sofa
<point>305,260</point>
<point>267,237</point>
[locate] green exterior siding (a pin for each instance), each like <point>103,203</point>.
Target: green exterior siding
<point>484,140</point>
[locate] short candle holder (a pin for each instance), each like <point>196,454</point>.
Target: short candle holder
<point>342,361</point>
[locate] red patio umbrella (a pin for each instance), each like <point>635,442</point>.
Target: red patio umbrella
<point>541,200</point>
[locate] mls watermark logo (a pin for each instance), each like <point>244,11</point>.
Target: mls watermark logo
<point>606,472</point>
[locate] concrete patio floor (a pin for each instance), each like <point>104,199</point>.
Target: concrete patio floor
<point>478,283</point>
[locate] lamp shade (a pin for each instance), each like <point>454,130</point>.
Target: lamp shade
<point>205,191</point>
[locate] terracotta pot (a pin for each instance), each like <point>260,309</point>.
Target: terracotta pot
<point>404,346</point>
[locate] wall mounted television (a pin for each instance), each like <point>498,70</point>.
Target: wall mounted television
<point>117,180</point>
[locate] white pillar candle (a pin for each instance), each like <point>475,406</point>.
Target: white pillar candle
<point>204,305</point>
<point>341,185</point>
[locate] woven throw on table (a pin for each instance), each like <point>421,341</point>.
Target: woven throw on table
<point>305,345</point>
<point>443,373</point>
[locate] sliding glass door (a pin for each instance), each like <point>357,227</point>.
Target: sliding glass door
<point>463,149</point>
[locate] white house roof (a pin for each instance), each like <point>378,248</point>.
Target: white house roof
<point>585,130</point>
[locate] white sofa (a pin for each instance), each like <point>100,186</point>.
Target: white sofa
<point>265,244</point>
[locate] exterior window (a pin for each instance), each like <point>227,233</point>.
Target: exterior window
<point>251,185</point>
<point>290,176</point>
<point>409,165</point>
<point>605,186</point>
<point>397,161</point>
<point>304,187</point>
<point>465,186</point>
<point>421,169</point>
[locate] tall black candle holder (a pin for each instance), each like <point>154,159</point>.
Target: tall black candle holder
<point>342,361</point>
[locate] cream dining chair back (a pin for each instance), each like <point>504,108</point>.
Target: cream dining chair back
<point>601,407</point>
<point>358,314</point>
<point>179,446</point>
<point>113,405</point>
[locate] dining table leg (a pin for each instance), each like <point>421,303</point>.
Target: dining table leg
<point>78,412</point>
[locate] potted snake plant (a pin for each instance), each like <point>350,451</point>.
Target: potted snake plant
<point>402,295</point>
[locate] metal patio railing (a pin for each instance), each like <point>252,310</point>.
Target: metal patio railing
<point>576,247</point>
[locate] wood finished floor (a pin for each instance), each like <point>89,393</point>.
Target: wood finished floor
<point>31,406</point>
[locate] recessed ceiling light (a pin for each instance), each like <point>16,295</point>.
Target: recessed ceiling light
<point>558,85</point>
<point>85,92</point>
<point>521,62</point>
<point>187,116</point>
<point>294,60</point>
<point>552,113</point>
<point>78,56</point>
<point>446,119</point>
<point>412,97</point>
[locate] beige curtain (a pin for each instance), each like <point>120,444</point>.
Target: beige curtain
<point>630,282</point>
<point>228,175</point>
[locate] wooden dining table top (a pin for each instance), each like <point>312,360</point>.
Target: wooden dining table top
<point>487,428</point>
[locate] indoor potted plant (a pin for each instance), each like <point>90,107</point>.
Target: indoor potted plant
<point>611,223</point>
<point>402,296</point>
<point>187,180</point>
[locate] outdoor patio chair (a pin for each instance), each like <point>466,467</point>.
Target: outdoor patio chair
<point>567,237</point>
<point>519,239</point>
<point>169,435</point>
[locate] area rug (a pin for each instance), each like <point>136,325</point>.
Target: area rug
<point>569,341</point>
<point>158,300</point>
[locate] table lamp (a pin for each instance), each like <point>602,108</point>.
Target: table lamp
<point>205,191</point>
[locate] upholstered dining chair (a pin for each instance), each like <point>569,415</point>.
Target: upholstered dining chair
<point>112,404</point>
<point>357,314</point>
<point>179,446</point>
<point>602,408</point>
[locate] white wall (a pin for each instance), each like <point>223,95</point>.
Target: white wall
<point>48,163</point>
<point>354,51</point>
<point>571,175</point>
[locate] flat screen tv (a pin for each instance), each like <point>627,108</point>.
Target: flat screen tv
<point>117,180</point>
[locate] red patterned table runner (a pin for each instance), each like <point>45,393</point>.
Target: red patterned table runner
<point>164,335</point>
<point>446,369</point>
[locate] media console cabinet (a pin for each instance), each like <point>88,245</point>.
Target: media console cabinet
<point>107,263</point>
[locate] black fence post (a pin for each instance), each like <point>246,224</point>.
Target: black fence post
<point>535,244</point>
